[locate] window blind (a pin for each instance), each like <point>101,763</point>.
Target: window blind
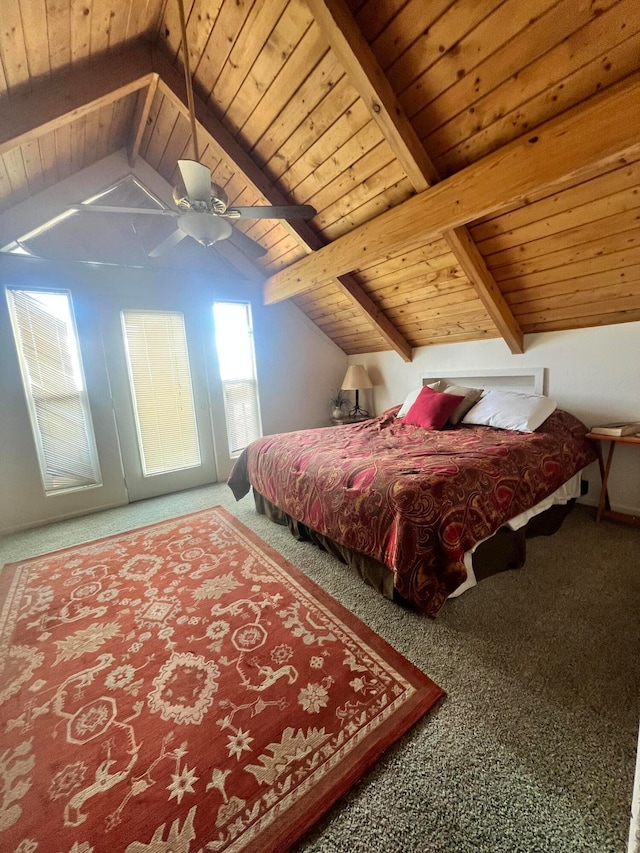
<point>162,392</point>
<point>53,380</point>
<point>234,344</point>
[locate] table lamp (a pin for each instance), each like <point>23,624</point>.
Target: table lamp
<point>356,378</point>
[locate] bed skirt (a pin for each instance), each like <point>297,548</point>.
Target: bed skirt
<point>506,549</point>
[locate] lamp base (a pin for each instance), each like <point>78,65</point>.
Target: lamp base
<point>359,414</point>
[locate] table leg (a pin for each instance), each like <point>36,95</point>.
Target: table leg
<point>604,493</point>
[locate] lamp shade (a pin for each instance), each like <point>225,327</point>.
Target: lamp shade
<point>355,378</point>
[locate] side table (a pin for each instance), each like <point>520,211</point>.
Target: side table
<point>604,506</point>
<point>347,420</point>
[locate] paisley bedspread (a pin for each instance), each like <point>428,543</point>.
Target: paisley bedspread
<point>413,499</point>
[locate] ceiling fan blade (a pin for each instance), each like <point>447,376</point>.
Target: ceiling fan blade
<point>291,211</point>
<point>168,243</point>
<point>197,180</point>
<point>246,244</point>
<point>105,208</point>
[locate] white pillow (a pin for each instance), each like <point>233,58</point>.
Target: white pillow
<point>511,410</point>
<point>471,396</point>
<point>412,396</point>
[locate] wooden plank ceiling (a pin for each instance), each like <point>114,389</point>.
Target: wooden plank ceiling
<point>355,106</point>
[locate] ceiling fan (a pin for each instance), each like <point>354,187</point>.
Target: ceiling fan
<point>203,206</point>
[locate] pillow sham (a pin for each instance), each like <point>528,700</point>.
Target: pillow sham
<point>510,410</point>
<point>411,397</point>
<point>470,397</point>
<point>431,409</point>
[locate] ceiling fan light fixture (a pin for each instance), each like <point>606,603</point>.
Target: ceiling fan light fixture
<point>204,227</point>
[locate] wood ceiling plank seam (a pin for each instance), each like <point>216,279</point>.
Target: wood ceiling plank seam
<point>402,30</point>
<point>177,142</point>
<point>91,126</point>
<point>262,25</point>
<point>77,144</point>
<point>587,192</point>
<point>123,111</point>
<point>172,37</point>
<point>229,148</point>
<point>165,122</point>
<point>565,145</point>
<point>63,150</point>
<point>614,65</point>
<point>3,79</point>
<point>268,66</point>
<point>33,166</point>
<point>301,64</point>
<point>427,252</point>
<point>370,81</point>
<point>611,306</point>
<point>32,14</point>
<point>100,23</point>
<point>586,239</point>
<point>13,49</point>
<point>444,35</point>
<point>327,95</point>
<point>16,172</point>
<point>467,53</point>
<point>344,158</point>
<point>427,309</point>
<point>330,108</point>
<point>585,286</point>
<point>152,118</point>
<point>58,34</point>
<point>582,322</point>
<point>48,158</point>
<point>536,40</point>
<point>376,191</point>
<point>510,109</point>
<point>566,220</point>
<point>5,186</point>
<point>118,25</point>
<point>80,13</point>
<point>374,17</point>
<point>355,184</point>
<point>105,119</point>
<point>280,257</point>
<point>332,150</point>
<point>410,277</point>
<point>446,284</point>
<point>216,51</point>
<point>144,101</point>
<point>200,22</point>
<point>409,266</point>
<point>394,195</point>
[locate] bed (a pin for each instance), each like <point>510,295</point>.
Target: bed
<point>417,510</point>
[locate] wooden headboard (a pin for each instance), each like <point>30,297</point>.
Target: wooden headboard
<point>526,380</point>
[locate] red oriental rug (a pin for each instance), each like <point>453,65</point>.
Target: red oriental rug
<point>183,688</point>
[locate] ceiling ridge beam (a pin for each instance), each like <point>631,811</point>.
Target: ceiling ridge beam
<point>74,93</point>
<point>171,84</point>
<point>338,25</point>
<point>570,145</point>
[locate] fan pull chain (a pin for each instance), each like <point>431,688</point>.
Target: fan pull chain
<point>188,81</point>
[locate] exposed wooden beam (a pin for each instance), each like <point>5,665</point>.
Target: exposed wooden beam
<point>172,86</point>
<point>143,107</point>
<point>366,75</point>
<point>568,146</point>
<point>73,93</point>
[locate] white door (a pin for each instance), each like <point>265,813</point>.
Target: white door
<point>157,367</point>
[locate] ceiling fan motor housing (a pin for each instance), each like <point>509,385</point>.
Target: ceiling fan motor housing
<point>217,204</point>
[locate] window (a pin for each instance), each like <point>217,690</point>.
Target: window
<point>160,379</point>
<point>234,343</point>
<point>52,375</point>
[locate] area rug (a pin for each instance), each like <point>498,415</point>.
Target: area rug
<point>181,687</point>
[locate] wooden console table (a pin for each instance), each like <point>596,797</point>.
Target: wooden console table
<point>604,507</point>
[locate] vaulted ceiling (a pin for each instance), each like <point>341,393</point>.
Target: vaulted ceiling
<point>474,163</point>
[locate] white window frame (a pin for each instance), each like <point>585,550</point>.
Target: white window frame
<point>30,401</point>
<point>235,452</point>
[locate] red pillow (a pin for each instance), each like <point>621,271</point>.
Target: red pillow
<point>432,409</point>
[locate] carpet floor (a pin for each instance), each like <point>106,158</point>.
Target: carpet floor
<point>533,749</point>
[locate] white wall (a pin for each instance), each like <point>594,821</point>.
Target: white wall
<point>297,365</point>
<point>593,373</point>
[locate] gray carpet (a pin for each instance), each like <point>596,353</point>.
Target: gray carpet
<point>533,749</point>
